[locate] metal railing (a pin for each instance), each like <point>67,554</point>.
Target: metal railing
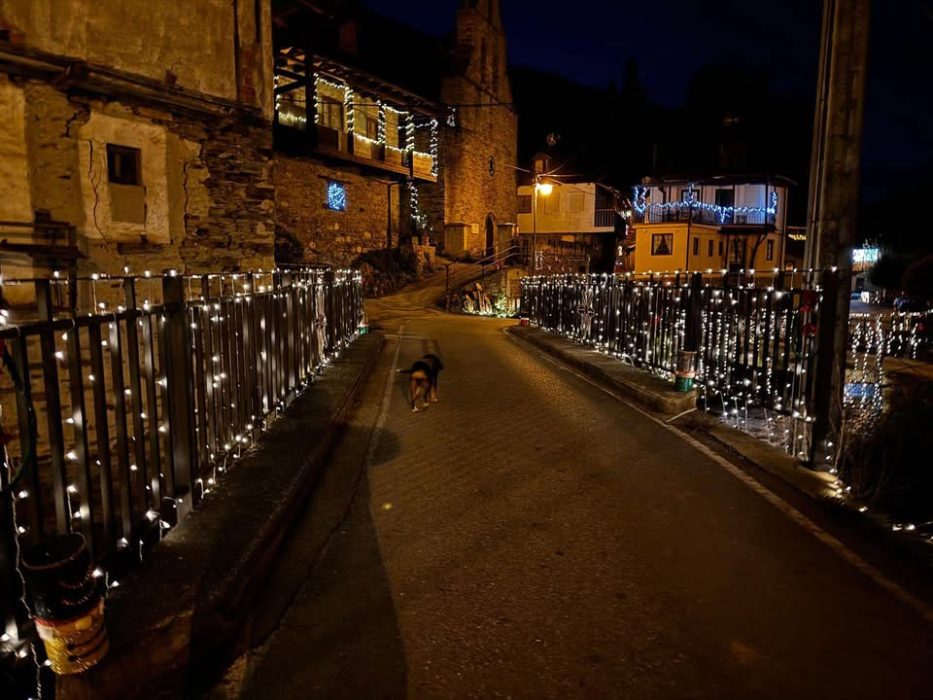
<point>127,413</point>
<point>756,347</point>
<point>656,214</point>
<point>605,218</point>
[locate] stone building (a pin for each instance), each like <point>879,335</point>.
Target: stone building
<point>387,136</point>
<point>479,154</point>
<point>144,129</point>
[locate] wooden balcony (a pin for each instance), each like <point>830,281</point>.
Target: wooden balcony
<point>293,136</point>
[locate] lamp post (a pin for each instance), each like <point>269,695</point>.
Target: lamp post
<point>545,188</point>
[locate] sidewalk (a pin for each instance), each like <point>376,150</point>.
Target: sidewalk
<point>184,608</point>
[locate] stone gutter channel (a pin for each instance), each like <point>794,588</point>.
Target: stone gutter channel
<point>658,397</point>
<point>182,613</point>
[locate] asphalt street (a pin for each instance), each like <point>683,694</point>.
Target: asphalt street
<point>531,537</point>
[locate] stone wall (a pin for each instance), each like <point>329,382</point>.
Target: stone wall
<point>328,236</point>
<point>479,154</point>
<point>206,184</point>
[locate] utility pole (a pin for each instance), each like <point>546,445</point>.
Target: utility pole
<point>834,190</point>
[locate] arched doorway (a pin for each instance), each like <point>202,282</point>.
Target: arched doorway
<point>490,235</point>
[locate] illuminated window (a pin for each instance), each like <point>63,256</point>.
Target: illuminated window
<point>662,244</point>
<point>336,196</point>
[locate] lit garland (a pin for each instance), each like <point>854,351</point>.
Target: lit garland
<point>738,358</point>
<point>641,205</point>
<point>419,218</point>
<point>321,80</point>
<point>340,329</point>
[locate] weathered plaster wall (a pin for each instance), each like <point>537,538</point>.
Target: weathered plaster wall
<point>333,236</point>
<point>15,204</point>
<point>194,41</point>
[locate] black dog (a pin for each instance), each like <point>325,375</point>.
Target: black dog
<point>423,380</point>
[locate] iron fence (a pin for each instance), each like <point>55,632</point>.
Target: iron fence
<point>756,360</point>
<point>127,413</point>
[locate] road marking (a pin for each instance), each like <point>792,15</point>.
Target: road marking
<point>869,570</point>
<point>386,400</point>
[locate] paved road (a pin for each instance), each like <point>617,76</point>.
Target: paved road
<point>531,537</point>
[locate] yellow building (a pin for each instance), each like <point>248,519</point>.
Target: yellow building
<point>721,223</point>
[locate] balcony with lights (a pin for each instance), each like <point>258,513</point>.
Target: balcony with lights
<point>333,111</point>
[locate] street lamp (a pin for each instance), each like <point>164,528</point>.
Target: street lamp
<point>544,189</point>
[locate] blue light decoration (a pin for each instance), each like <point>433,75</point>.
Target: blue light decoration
<point>866,256</point>
<point>640,204</point>
<point>336,196</point>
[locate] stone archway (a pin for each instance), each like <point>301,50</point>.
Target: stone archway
<point>490,235</point>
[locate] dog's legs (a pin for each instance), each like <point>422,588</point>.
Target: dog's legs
<point>414,391</point>
<point>434,398</point>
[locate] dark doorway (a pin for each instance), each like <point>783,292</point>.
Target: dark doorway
<point>490,236</point>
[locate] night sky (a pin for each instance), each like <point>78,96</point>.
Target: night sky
<point>590,42</point>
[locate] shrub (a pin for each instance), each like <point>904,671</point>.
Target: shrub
<point>889,465</point>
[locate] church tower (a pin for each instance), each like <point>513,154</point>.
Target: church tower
<point>478,176</point>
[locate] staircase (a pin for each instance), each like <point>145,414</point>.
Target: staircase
<point>483,269</point>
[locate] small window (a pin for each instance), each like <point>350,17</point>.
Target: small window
<point>696,246</point>
<point>688,195</point>
<point>551,203</point>
<point>769,250</point>
<point>524,204</point>
<point>720,248</point>
<point>662,244</point>
<point>123,165</point>
<point>336,196</point>
<point>709,250</point>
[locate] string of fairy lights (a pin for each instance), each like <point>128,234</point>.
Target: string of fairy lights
<point>407,129</point>
<point>756,354</point>
<point>690,203</point>
<point>322,309</point>
<point>744,359</point>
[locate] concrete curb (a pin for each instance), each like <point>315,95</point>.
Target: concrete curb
<point>641,387</point>
<point>181,615</point>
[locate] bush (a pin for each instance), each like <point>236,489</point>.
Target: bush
<point>889,465</point>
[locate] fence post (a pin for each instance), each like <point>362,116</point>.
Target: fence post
<point>694,320</point>
<point>824,427</point>
<point>53,406</point>
<point>180,382</point>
